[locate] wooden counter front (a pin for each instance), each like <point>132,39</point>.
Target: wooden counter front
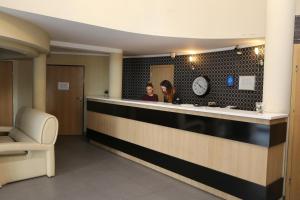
<point>228,166</point>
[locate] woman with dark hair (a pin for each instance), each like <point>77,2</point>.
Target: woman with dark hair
<point>169,92</point>
<point>150,96</point>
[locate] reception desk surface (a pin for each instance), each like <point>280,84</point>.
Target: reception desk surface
<point>230,153</point>
<point>217,112</point>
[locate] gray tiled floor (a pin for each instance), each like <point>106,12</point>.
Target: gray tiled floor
<point>86,172</point>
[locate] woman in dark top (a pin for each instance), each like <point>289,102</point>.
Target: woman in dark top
<point>169,92</point>
<point>150,96</point>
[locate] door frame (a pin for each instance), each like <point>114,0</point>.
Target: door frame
<point>172,66</point>
<point>7,128</point>
<point>166,65</point>
<point>290,131</point>
<point>83,91</point>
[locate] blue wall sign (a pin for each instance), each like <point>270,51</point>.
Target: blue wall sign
<point>230,80</point>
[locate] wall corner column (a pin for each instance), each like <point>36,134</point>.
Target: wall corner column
<point>115,75</point>
<point>278,55</point>
<point>39,82</point>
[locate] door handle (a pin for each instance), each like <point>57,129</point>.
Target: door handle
<point>79,99</point>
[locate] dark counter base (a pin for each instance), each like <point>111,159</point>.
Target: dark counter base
<point>258,134</point>
<point>218,180</point>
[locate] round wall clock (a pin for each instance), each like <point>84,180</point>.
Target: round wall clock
<point>201,86</point>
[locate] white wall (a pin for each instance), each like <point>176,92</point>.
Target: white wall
<point>297,7</point>
<point>22,84</point>
<point>96,76</point>
<point>174,18</point>
<point>96,70</point>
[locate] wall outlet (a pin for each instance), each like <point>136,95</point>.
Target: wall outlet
<point>246,82</point>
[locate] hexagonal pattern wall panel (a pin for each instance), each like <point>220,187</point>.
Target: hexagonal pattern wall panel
<point>215,65</point>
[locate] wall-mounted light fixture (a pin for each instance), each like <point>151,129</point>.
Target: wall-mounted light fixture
<point>259,56</point>
<point>256,50</point>
<point>173,55</point>
<point>238,50</point>
<point>192,60</point>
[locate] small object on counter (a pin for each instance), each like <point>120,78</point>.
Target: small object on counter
<point>106,93</point>
<point>196,104</point>
<point>231,107</point>
<point>212,104</point>
<point>177,100</point>
<point>259,107</point>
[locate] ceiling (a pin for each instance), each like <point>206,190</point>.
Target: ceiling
<point>132,44</point>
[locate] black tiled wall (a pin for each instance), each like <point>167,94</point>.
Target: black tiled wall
<point>215,65</point>
<point>297,30</point>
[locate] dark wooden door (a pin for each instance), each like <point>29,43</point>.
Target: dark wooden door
<point>65,97</point>
<point>6,93</point>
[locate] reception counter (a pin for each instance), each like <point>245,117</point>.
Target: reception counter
<point>230,153</point>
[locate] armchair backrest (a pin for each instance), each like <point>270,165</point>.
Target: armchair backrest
<point>39,126</point>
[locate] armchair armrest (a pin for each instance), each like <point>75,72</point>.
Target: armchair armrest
<point>24,146</point>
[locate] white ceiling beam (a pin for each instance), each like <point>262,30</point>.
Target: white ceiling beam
<point>78,53</point>
<point>94,48</point>
<point>196,52</point>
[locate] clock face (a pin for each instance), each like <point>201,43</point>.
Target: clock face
<point>200,86</point>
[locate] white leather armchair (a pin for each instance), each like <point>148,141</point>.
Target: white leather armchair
<point>28,150</point>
